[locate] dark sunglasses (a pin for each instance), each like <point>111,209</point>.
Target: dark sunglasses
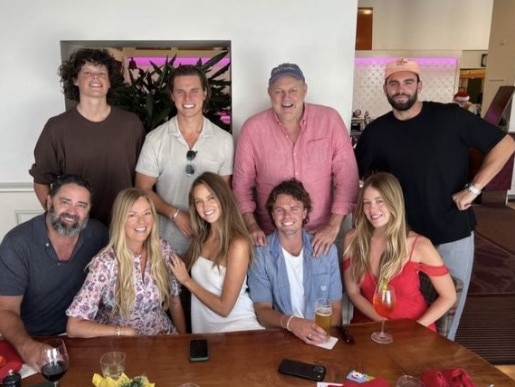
<point>190,155</point>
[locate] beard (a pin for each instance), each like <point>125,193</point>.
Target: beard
<point>402,106</point>
<point>61,227</point>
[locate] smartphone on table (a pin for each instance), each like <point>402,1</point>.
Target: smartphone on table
<point>308,371</point>
<point>199,350</point>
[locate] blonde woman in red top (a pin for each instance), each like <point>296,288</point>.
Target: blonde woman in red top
<point>381,247</point>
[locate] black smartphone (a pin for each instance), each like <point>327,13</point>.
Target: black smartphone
<point>308,371</point>
<point>199,350</point>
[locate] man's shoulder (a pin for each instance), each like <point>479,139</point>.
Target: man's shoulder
<point>258,118</point>
<point>127,120</point>
<point>27,230</point>
<point>115,110</point>
<point>124,114</point>
<point>440,105</point>
<point>272,244</point>
<point>432,107</point>
<point>320,109</point>
<point>387,117</point>
<point>161,131</point>
<point>95,229</point>
<point>216,130</point>
<point>62,119</point>
<point>380,126</point>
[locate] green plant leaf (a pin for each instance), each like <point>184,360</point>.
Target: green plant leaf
<point>146,93</point>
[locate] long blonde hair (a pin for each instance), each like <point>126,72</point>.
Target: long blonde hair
<point>125,293</point>
<point>396,232</point>
<point>229,226</point>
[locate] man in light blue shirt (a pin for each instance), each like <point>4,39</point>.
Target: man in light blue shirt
<point>286,278</point>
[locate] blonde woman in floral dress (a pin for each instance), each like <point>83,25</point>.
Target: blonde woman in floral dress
<point>129,289</point>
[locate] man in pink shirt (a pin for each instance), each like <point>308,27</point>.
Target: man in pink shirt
<point>295,139</point>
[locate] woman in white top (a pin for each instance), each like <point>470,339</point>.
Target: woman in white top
<point>219,257</point>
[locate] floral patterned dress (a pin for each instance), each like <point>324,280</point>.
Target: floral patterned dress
<point>95,300</point>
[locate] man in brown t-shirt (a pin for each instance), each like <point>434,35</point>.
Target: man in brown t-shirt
<point>94,140</point>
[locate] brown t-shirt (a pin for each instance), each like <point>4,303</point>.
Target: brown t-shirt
<point>104,153</point>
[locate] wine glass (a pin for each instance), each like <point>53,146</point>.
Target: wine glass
<point>54,360</point>
<point>384,304</point>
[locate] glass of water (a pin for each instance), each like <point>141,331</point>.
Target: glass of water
<point>113,364</point>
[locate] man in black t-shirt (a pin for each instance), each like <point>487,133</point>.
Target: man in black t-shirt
<point>426,146</point>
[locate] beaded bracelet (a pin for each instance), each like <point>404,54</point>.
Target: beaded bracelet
<point>288,323</point>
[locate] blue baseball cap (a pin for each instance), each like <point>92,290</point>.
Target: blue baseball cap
<point>289,69</point>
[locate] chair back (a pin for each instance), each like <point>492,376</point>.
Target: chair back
<point>443,324</point>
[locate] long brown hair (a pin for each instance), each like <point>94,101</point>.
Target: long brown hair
<point>396,232</point>
<point>229,226</point>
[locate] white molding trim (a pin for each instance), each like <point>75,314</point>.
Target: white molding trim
<point>16,187</point>
<point>24,215</point>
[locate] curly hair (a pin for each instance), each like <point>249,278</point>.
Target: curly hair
<point>69,70</point>
<point>296,190</point>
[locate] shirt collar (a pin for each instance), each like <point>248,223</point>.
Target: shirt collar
<point>173,128</point>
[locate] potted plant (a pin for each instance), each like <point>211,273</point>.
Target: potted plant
<point>146,93</point>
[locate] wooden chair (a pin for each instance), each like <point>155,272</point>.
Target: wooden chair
<point>443,324</point>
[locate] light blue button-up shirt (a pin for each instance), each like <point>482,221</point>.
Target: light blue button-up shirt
<point>268,277</point>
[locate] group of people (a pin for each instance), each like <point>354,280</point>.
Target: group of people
<point>256,242</point>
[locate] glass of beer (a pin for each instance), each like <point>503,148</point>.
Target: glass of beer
<point>323,312</point>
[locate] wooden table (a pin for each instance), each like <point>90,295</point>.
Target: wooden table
<point>251,358</point>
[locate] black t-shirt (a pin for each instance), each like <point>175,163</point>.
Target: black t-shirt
<point>429,154</point>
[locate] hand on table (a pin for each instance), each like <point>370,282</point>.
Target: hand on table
<point>307,331</point>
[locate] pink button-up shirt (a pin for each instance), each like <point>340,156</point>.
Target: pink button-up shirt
<point>322,158</point>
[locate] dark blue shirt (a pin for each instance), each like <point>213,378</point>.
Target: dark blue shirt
<point>29,267</point>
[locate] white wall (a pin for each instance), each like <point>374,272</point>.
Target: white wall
<point>430,25</point>
<point>501,54</point>
<point>318,36</point>
<point>263,33</point>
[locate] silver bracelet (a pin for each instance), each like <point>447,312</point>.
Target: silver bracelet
<point>175,214</point>
<point>472,188</point>
<point>288,322</point>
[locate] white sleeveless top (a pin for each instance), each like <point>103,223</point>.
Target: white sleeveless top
<point>203,319</point>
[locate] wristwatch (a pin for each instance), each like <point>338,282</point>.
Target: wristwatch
<point>472,188</point>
